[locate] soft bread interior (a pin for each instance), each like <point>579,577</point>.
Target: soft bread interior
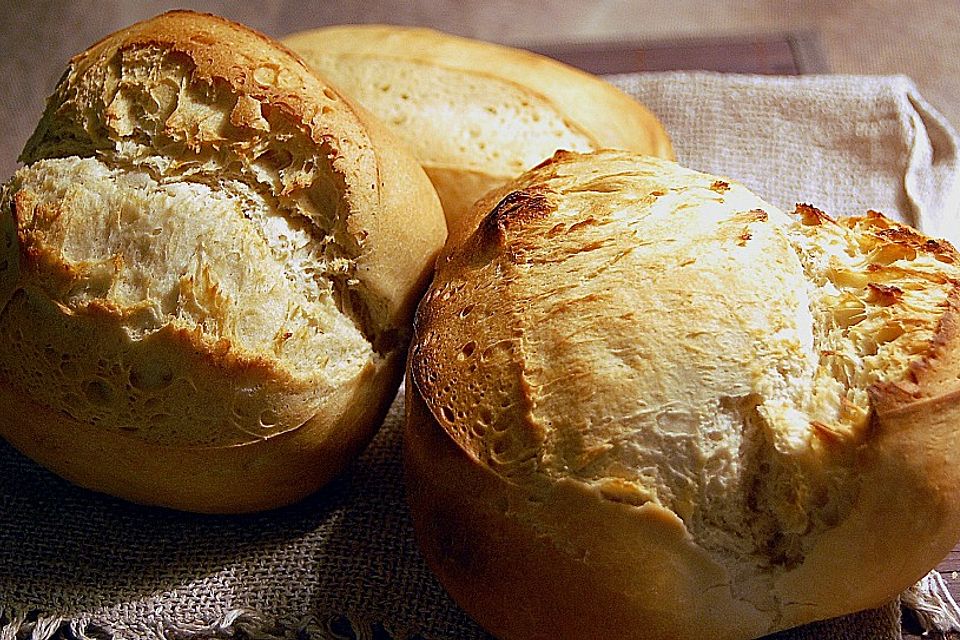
<point>180,217</point>
<point>218,263</point>
<point>220,260</point>
<point>156,121</point>
<point>879,291</point>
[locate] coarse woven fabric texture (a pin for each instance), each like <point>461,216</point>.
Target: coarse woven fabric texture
<point>343,563</point>
<point>844,144</point>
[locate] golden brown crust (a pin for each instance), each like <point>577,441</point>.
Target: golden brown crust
<point>476,114</point>
<point>252,476</point>
<point>211,260</point>
<point>250,63</point>
<point>612,116</point>
<point>557,562</point>
<point>643,403</point>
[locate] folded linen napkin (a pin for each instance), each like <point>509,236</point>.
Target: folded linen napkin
<point>844,144</point>
<point>343,563</point>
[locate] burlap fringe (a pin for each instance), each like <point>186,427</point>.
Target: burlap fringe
<point>249,625</point>
<point>235,624</point>
<point>930,601</point>
<point>15,625</point>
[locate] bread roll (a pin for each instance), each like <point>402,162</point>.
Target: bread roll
<point>476,114</point>
<point>643,403</point>
<point>209,265</point>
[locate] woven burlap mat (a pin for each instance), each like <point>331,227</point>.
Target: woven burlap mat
<point>343,564</point>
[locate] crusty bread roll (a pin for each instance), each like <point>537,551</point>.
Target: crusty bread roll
<point>476,114</point>
<point>643,403</point>
<point>209,265</point>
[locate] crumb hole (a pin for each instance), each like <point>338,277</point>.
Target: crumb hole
<point>268,418</point>
<point>98,392</point>
<point>447,413</point>
<point>497,348</point>
<point>158,418</point>
<point>202,38</point>
<point>150,376</point>
<point>265,76</point>
<point>277,159</point>
<point>485,416</point>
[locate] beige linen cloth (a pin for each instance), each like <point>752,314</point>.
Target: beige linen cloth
<point>343,563</point>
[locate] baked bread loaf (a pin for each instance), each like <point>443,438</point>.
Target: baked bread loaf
<point>643,403</point>
<point>209,268</point>
<point>476,114</point>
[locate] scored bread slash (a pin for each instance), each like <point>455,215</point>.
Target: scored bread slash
<point>476,114</point>
<point>210,264</point>
<point>643,403</point>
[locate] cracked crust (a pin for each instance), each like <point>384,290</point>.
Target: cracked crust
<point>210,264</point>
<point>647,404</point>
<point>476,114</point>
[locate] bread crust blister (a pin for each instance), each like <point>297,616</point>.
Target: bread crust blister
<point>211,261</point>
<point>644,403</point>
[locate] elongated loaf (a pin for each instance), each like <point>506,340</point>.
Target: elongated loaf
<point>476,114</point>
<point>209,266</point>
<point>643,403</point>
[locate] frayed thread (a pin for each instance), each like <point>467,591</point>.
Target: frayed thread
<point>12,623</point>
<point>225,627</point>
<point>20,625</point>
<point>930,601</point>
<point>17,625</point>
<point>233,624</point>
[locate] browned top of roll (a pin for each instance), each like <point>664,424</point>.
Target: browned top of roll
<point>784,388</point>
